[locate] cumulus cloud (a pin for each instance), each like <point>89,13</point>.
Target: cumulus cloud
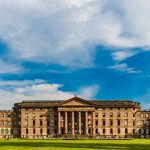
<point>124,68</point>
<point>16,91</point>
<point>65,32</point>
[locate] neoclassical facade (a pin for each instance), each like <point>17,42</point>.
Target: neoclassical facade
<point>76,117</point>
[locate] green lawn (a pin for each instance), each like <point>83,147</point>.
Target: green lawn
<point>17,144</point>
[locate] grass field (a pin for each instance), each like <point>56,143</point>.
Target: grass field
<point>17,144</point>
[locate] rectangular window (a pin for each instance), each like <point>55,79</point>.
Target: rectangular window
<point>126,114</point>
<point>103,122</point>
<point>111,131</point>
<point>48,122</point>
<point>96,122</point>
<point>41,122</point>
<point>26,115</point>
<point>33,115</point>
<point>96,131</point>
<point>125,122</point>
<point>19,123</point>
<point>41,131</point>
<point>27,131</point>
<point>118,122</point>
<point>133,122</point>
<point>111,114</point>
<point>142,122</point>
<point>26,122</point>
<point>103,131</point>
<point>118,130</point>
<point>118,114</point>
<point>33,122</point>
<point>111,122</point>
<point>48,131</point>
<point>126,131</point>
<point>104,114</point>
<point>96,114</point>
<point>41,115</point>
<point>48,115</point>
<point>34,131</point>
<point>142,115</point>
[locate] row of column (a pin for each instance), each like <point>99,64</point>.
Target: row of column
<point>79,123</point>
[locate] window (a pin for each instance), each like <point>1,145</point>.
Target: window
<point>41,115</point>
<point>33,122</point>
<point>96,114</point>
<point>96,122</point>
<point>26,122</point>
<point>27,131</point>
<point>103,122</point>
<point>34,131</point>
<point>7,123</point>
<point>41,122</point>
<point>111,114</point>
<point>104,131</point>
<point>118,122</point>
<point>33,115</point>
<point>111,122</point>
<point>133,115</point>
<point>125,122</point>
<point>142,115</point>
<point>142,122</point>
<point>41,131</point>
<point>104,114</point>
<point>48,131</point>
<point>126,114</point>
<point>7,115</point>
<point>133,123</point>
<point>26,115</point>
<point>48,122</point>
<point>48,114</point>
<point>126,131</point>
<point>96,131</point>
<point>111,131</point>
<point>133,131</point>
<point>118,114</point>
<point>19,123</point>
<point>118,130</point>
<point>2,115</point>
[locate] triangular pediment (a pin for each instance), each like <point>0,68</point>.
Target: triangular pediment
<point>76,101</point>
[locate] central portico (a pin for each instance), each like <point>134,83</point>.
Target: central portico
<point>76,116</point>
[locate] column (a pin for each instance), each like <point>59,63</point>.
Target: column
<point>66,122</point>
<point>72,117</point>
<point>59,123</point>
<point>86,122</point>
<point>93,122</point>
<point>79,122</point>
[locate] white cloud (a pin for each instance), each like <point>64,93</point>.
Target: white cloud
<point>146,99</point>
<point>38,90</point>
<point>124,68</point>
<point>88,92</point>
<point>66,31</point>
<point>6,67</point>
<point>122,55</point>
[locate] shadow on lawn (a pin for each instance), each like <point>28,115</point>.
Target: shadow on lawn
<point>95,146</point>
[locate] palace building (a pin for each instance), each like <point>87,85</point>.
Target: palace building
<point>75,117</point>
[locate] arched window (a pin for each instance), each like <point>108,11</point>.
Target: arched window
<point>6,131</point>
<point>2,131</point>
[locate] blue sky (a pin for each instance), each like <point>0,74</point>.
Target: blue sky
<point>52,49</point>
